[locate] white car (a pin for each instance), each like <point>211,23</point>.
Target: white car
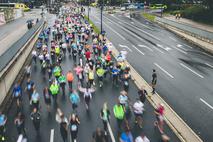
<point>123,8</point>
<point>132,6</point>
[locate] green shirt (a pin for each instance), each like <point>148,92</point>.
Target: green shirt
<point>54,88</point>
<point>118,111</point>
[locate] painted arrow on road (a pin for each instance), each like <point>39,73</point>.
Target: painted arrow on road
<point>124,46</point>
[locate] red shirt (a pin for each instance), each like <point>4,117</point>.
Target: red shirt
<point>88,54</point>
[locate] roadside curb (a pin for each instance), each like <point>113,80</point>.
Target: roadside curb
<point>198,42</point>
<point>178,126</point>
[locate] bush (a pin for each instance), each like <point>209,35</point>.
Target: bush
<point>198,13</point>
<point>148,16</point>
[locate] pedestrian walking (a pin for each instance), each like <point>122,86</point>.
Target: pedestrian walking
<point>74,123</point>
<point>98,136</point>
<point>20,123</point>
<point>154,80</point>
<point>47,98</point>
<point>105,116</point>
<point>36,118</point>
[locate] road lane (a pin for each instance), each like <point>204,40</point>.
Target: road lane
<point>184,93</point>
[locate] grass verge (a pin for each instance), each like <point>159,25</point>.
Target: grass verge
<point>148,17</point>
<point>96,29</point>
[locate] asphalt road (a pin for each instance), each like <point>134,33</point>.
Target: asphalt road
<point>89,120</point>
<point>185,72</point>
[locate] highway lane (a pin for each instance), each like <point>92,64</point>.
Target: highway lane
<point>184,71</point>
<point>89,121</point>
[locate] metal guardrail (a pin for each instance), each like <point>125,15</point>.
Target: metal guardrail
<point>195,31</point>
<point>8,55</point>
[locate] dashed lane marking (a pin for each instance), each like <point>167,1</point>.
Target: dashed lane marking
<point>191,70</point>
<point>202,100</point>
<point>52,135</point>
<point>138,49</point>
<point>146,47</point>
<point>164,70</point>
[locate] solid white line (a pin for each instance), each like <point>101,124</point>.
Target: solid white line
<point>163,70</point>
<point>172,39</point>
<point>146,47</point>
<point>166,48</point>
<point>124,46</point>
<point>209,65</point>
<point>158,50</point>
<point>191,70</point>
<point>110,132</point>
<point>52,135</point>
<point>206,103</point>
<point>112,29</point>
<point>181,46</point>
<point>138,49</point>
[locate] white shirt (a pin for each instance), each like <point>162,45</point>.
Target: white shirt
<point>34,53</point>
<point>138,107</point>
<point>140,139</point>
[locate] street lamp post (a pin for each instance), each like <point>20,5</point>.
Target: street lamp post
<point>88,9</point>
<point>102,7</point>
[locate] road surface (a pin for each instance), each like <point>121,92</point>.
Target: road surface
<point>185,72</point>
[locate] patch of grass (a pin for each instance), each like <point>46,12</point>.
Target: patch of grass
<point>149,17</point>
<point>96,29</point>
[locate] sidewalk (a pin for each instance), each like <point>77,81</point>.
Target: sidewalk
<point>191,23</point>
<point>13,31</point>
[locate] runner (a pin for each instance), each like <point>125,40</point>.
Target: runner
<point>47,98</point>
<point>142,138</point>
<point>54,90</point>
<point>159,112</point>
<point>138,111</point>
<point>70,79</point>
<point>119,113</point>
<point>126,136</point>
<point>75,100</point>
<point>74,123</point>
<point>20,123</point>
<point>105,116</point>
<point>36,118</point>
<point>98,136</point>
<point>35,100</point>
<point>3,120</point>
<point>142,93</point>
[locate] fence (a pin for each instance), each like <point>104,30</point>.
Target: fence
<point>193,30</point>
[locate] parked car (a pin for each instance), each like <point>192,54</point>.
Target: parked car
<point>123,8</point>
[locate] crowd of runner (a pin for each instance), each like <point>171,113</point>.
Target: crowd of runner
<point>92,57</point>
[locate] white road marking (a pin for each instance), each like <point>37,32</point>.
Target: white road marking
<point>52,135</point>
<point>132,23</point>
<point>146,47</point>
<point>164,70</point>
<point>135,27</point>
<point>209,65</point>
<point>120,22</point>
<point>187,46</point>
<point>124,46</point>
<point>206,103</point>
<point>138,49</point>
<point>181,50</point>
<point>181,46</point>
<point>191,70</point>
<point>110,132</point>
<point>158,50</point>
<point>109,22</point>
<point>98,22</point>
<point>172,38</point>
<point>164,48</point>
<point>113,30</point>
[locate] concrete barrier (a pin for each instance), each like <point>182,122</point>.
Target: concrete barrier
<point>15,65</point>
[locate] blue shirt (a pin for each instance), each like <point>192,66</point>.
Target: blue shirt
<point>2,119</point>
<point>126,137</point>
<point>74,98</point>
